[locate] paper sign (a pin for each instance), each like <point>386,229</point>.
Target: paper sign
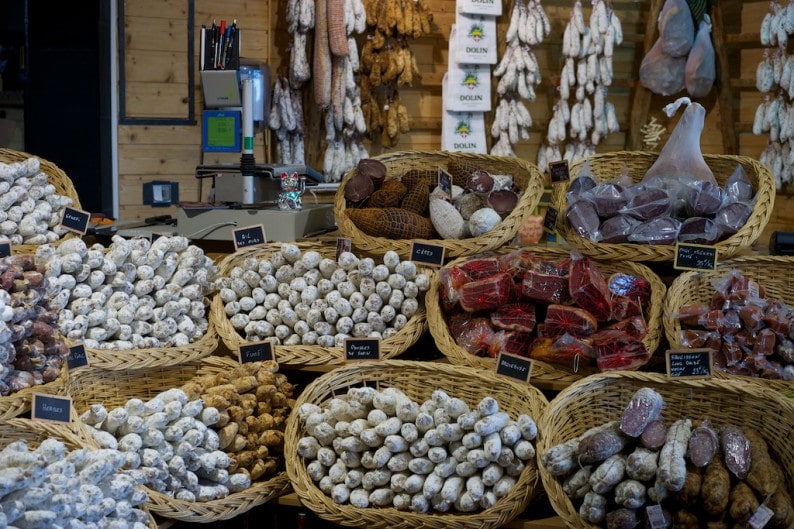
<point>249,236</point>
<point>51,408</point>
<point>257,352</point>
<point>760,517</point>
<point>429,254</point>
<point>75,220</point>
<point>656,517</point>
<point>550,219</point>
<point>515,367</point>
<point>558,171</point>
<point>343,245</point>
<point>77,357</point>
<point>690,363</point>
<point>362,349</point>
<point>695,257</point>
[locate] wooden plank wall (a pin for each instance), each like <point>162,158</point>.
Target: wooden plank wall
<point>156,80</point>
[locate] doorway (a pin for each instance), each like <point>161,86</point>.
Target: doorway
<point>63,79</point>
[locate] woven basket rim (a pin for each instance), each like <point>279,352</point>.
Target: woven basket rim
<point>156,356</point>
<point>504,232</point>
<point>523,396</point>
<point>745,237</point>
<point>681,292</point>
<point>558,415</point>
<point>308,355</point>
<point>234,504</point>
<point>541,371</point>
<point>57,177</point>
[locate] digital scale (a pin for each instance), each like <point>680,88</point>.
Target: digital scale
<point>246,193</point>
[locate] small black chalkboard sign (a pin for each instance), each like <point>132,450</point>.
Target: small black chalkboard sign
<point>558,171</point>
<point>155,236</point>
<point>690,363</point>
<point>429,254</point>
<point>75,220</point>
<point>515,367</point>
<point>362,349</point>
<point>256,352</point>
<point>445,182</point>
<point>77,357</point>
<point>249,236</point>
<point>51,408</point>
<point>695,257</point>
<point>5,249</point>
<point>343,245</point>
<point>550,219</point>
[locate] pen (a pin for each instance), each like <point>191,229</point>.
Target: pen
<point>213,40</point>
<point>221,36</point>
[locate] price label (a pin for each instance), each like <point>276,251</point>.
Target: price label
<point>656,517</point>
<point>75,220</point>
<point>343,245</point>
<point>249,236</point>
<point>51,408</point>
<point>362,349</point>
<point>760,517</point>
<point>550,219</point>
<point>429,254</point>
<point>77,357</point>
<point>695,257</point>
<point>558,171</point>
<point>445,182</point>
<point>690,363</point>
<point>515,367</point>
<point>257,352</point>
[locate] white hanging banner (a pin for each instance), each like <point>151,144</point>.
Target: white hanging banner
<point>461,131</point>
<point>481,7</point>
<point>476,39</point>
<point>469,88</point>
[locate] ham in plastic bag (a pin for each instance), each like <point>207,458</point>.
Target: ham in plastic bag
<point>700,69</point>
<point>676,28</point>
<point>661,73</point>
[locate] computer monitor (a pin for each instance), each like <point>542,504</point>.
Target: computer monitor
<point>221,131</point>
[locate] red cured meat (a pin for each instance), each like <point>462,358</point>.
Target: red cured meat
<point>623,308</point>
<point>695,339</point>
<point>472,334</point>
<point>618,350</point>
<point>487,294</point>
<point>634,327</point>
<point>765,343</point>
<point>451,282</point>
<point>481,268</point>
<point>563,350</point>
<point>691,315</point>
<point>777,317</point>
<point>630,286</point>
<point>731,323</point>
<point>511,342</point>
<point>752,316</point>
<point>731,351</point>
<point>515,317</point>
<point>549,288</point>
<point>561,319</point>
<point>588,288</point>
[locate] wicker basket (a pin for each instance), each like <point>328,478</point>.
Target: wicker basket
<point>526,175</point>
<point>306,355</point>
<point>155,356</point>
<point>19,402</point>
<point>114,387</point>
<point>607,167</point>
<point>774,273</point>
<point>58,178</point>
<point>601,398</point>
<point>418,380</point>
<point>34,432</point>
<point>542,371</point>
